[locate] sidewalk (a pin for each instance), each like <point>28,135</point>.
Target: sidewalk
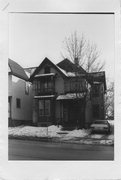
<point>55,134</point>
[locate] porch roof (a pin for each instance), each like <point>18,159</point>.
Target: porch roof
<point>43,97</point>
<point>71,96</point>
<point>44,75</point>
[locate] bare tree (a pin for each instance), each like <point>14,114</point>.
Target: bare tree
<point>92,61</point>
<point>82,53</point>
<point>109,102</point>
<point>74,48</point>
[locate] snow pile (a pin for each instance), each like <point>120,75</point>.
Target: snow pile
<point>71,74</point>
<point>53,131</point>
<point>14,130</point>
<point>81,136</point>
<point>34,131</point>
<point>96,136</point>
<point>54,128</point>
<point>108,142</point>
<point>78,133</point>
<point>111,137</point>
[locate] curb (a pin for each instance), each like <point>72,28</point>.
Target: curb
<point>57,140</point>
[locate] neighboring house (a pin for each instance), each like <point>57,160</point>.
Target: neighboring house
<point>67,95</point>
<point>19,95</point>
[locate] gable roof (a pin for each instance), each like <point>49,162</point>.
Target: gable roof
<point>17,70</point>
<point>46,61</point>
<point>68,66</point>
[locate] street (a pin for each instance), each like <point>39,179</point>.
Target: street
<point>35,150</point>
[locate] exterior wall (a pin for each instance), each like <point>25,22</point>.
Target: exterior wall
<point>9,85</point>
<point>58,111</point>
<point>59,85</point>
<point>88,114</point>
<point>100,101</point>
<point>17,90</point>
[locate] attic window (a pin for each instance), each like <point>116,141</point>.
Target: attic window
<point>47,69</point>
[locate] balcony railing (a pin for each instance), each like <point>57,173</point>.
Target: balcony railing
<point>45,91</point>
<point>74,89</point>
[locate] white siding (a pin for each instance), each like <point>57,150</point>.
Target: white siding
<point>17,90</point>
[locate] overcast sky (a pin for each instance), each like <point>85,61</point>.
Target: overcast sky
<point>32,37</point>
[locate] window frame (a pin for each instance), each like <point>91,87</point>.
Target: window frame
<point>18,103</point>
<point>45,108</point>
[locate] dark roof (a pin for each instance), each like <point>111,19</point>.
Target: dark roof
<point>17,70</point>
<point>46,61</point>
<point>68,66</point>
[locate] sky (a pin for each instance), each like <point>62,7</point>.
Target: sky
<point>32,37</point>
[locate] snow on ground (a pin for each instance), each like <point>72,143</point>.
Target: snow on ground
<point>55,131</point>
<point>96,136</point>
<point>51,131</point>
<point>108,142</point>
<point>111,137</point>
<point>44,131</point>
<point>35,131</point>
<point>78,133</point>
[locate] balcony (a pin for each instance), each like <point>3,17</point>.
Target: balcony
<point>44,91</point>
<point>74,87</point>
<point>44,85</point>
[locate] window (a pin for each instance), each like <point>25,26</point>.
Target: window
<point>26,88</point>
<point>44,107</point>
<point>41,107</point>
<point>43,86</point>
<point>96,111</point>
<point>47,107</point>
<point>47,69</point>
<point>18,103</point>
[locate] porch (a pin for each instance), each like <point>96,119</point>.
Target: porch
<point>72,111</point>
<point>43,110</point>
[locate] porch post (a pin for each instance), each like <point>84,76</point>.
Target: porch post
<point>35,111</point>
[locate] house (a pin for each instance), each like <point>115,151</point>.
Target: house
<point>98,90</point>
<point>65,94</point>
<point>19,95</point>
